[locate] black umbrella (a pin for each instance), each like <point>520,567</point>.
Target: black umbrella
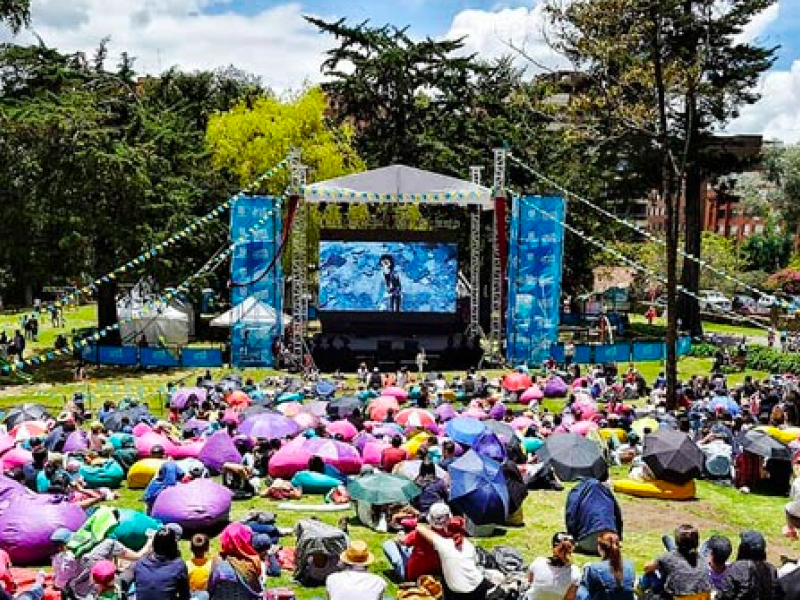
<point>26,412</point>
<point>672,456</point>
<point>763,444</point>
<point>341,408</point>
<point>573,456</point>
<point>113,420</point>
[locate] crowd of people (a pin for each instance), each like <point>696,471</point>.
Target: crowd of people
<point>431,543</point>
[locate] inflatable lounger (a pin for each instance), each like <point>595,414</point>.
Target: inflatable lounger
<point>297,507</point>
<point>656,489</point>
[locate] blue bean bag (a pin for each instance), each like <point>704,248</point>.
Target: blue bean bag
<point>132,528</point>
<point>118,440</point>
<point>531,444</point>
<point>293,397</point>
<point>314,483</point>
<point>110,474</point>
<point>368,395</point>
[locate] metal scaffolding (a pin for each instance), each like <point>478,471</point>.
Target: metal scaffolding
<point>496,315</point>
<point>474,328</point>
<point>299,287</point>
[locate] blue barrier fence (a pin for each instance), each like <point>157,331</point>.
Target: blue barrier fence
<point>621,352</point>
<point>132,356</point>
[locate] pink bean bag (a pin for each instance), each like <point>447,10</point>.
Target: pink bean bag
<point>188,449</point>
<point>145,443</point>
<point>584,427</point>
<point>532,394</point>
<point>140,429</point>
<point>294,456</point>
<point>16,458</point>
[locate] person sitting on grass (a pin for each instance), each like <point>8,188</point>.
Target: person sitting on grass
<point>411,555</point>
<point>355,581</point>
<point>751,576</point>
<point>199,566</point>
<point>161,574</point>
<point>719,550</point>
<point>554,577</point>
<point>611,578</point>
<point>681,571</point>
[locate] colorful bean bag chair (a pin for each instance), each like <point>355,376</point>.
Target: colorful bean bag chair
<point>217,450</point>
<point>142,472</point>
<point>132,528</point>
<point>656,489</point>
<point>16,458</point>
<point>189,449</point>
<point>555,388</point>
<point>145,444</point>
<point>294,456</point>
<point>532,444</point>
<point>199,505</point>
<point>314,483</point>
<point>110,474</point>
<point>118,440</point>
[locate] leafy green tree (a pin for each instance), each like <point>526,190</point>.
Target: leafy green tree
<point>15,13</point>
<point>769,251</point>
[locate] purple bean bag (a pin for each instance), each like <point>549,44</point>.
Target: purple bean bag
<point>555,388</point>
<point>199,505</point>
<point>189,449</point>
<point>76,442</point>
<point>27,521</point>
<point>218,450</point>
<point>294,456</point>
<point>498,411</point>
<point>145,443</point>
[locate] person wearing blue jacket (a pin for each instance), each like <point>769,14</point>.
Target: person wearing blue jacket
<point>592,510</point>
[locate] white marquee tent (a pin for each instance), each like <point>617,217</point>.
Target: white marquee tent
<point>250,311</point>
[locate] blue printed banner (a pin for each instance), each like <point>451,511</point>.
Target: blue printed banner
<point>201,357</point>
<point>534,278</point>
<point>255,273</point>
<point>117,355</point>
<point>684,345</point>
<point>158,357</point>
<point>583,355</point>
<point>612,353</point>
<point>646,351</point>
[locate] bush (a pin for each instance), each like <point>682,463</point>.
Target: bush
<point>702,350</point>
<point>773,361</point>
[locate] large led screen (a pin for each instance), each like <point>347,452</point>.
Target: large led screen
<point>408,277</point>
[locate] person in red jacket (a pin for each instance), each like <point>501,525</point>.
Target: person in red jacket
<point>390,457</point>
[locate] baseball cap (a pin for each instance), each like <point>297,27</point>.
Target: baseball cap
<point>104,572</point>
<point>61,535</point>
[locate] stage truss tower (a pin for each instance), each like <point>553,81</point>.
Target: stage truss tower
<point>299,286</point>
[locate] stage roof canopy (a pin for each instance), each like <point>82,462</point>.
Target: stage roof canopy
<point>399,184</point>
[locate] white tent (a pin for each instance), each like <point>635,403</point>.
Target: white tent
<point>250,311</point>
<point>399,183</point>
<point>166,324</point>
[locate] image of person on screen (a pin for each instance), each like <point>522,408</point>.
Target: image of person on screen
<point>391,279</point>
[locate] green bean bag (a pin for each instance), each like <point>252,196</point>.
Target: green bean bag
<point>368,395</point>
<point>110,474</point>
<point>132,528</point>
<point>314,483</point>
<point>531,444</point>
<point>293,397</point>
<point>118,440</point>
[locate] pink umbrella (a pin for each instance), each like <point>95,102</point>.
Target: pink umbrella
<point>343,428</point>
<point>238,399</point>
<point>586,409</point>
<point>380,407</point>
<point>290,409</point>
<point>396,392</point>
<point>584,427</point>
<point>415,417</point>
<point>371,453</point>
<point>28,429</point>
<point>181,396</point>
<point>516,382</point>
<point>522,423</point>
<point>532,394</point>
<point>16,458</point>
<point>306,420</point>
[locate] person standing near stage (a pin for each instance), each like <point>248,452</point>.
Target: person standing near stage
<point>391,279</point>
<point>421,360</point>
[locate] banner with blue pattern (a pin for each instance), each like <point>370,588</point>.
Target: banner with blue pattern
<point>251,344</point>
<point>534,278</point>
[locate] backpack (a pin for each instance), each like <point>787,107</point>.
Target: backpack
<point>508,560</point>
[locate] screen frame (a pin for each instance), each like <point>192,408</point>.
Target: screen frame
<point>388,235</point>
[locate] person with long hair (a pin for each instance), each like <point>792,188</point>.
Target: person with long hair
<point>750,577</point>
<point>613,578</point>
<point>162,574</point>
<point>236,574</point>
<point>682,571</point>
<point>554,577</point>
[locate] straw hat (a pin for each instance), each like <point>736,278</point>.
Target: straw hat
<point>357,554</point>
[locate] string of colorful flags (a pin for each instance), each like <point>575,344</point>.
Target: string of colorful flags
<point>649,236</point>
<point>180,235</point>
<point>153,305</point>
<point>624,259</point>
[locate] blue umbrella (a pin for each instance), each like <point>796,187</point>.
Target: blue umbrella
<point>464,430</point>
<point>325,388</point>
<point>725,403</point>
<point>478,489</point>
<point>488,444</point>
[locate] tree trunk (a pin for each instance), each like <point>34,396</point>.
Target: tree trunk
<point>107,313</point>
<point>688,306</point>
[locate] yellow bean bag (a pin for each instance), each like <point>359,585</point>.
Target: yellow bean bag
<point>449,395</point>
<point>786,436</point>
<point>142,471</point>
<point>609,433</point>
<point>656,489</point>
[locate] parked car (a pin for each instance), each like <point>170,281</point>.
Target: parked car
<point>713,301</point>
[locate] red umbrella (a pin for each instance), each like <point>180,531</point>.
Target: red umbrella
<point>395,392</point>
<point>344,428</point>
<point>27,430</point>
<point>238,399</point>
<point>380,406</point>
<point>415,417</point>
<point>516,382</point>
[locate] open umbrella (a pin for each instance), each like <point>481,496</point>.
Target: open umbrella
<point>318,408</point>
<point>410,469</point>
<point>238,399</point>
<point>517,382</point>
<point>26,412</point>
<point>306,420</point>
<point>672,456</point>
<point>383,488</point>
<point>395,392</point>
<point>478,488</point>
<point>290,409</point>
<point>445,411</point>
<point>380,407</point>
<point>325,388</point>
<point>573,456</point>
<point>415,417</point>
<point>182,396</point>
<point>763,444</point>
<point>7,442</point>
<point>269,426</point>
<point>464,430</point>
<point>725,404</point>
<point>341,408</point>
<point>343,428</point>
<point>646,423</point>
<point>28,429</point>
<point>489,444</point>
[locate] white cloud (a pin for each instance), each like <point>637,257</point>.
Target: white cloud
<point>276,44</point>
<point>777,114</point>
<point>491,34</point>
<point>759,24</point>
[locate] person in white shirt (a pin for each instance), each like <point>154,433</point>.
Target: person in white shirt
<point>355,581</point>
<point>463,578</point>
<point>554,578</point>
